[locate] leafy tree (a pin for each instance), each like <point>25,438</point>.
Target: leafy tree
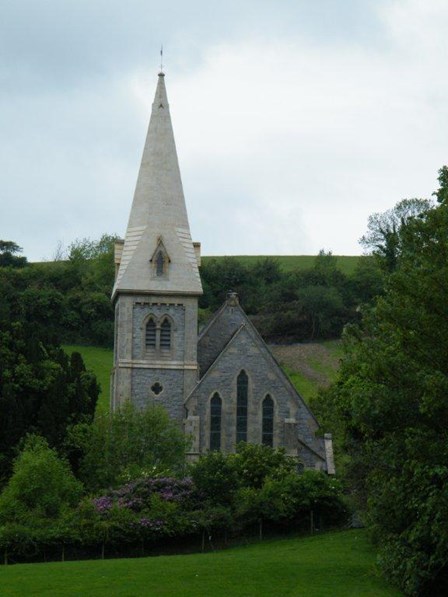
<point>442,191</point>
<point>255,462</point>
<point>215,477</point>
<point>39,392</point>
<point>42,485</point>
<point>127,444</point>
<point>383,237</point>
<point>367,281</point>
<point>391,406</point>
<point>8,254</point>
<point>38,501</point>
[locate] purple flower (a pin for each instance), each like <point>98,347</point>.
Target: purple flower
<point>103,504</point>
<point>154,525</point>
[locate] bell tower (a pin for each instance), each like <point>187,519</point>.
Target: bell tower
<point>157,281</point>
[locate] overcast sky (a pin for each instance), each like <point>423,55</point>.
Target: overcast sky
<point>294,119</point>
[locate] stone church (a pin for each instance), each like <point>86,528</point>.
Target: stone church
<point>222,385</point>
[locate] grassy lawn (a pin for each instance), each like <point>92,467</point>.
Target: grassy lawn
<point>346,263</point>
<point>331,565</point>
<point>99,360</point>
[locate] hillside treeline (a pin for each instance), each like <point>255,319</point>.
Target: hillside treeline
<point>69,300</point>
<point>293,306</point>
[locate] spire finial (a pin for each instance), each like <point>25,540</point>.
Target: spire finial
<point>161,60</point>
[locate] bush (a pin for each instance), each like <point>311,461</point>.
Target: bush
<point>127,444</point>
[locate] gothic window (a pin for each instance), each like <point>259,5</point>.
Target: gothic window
<point>160,260</point>
<point>160,264</point>
<point>150,334</point>
<point>267,434</point>
<point>241,407</point>
<point>215,422</point>
<point>165,335</point>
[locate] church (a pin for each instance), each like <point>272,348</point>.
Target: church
<point>222,385</point>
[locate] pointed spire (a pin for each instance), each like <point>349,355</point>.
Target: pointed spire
<point>159,215</point>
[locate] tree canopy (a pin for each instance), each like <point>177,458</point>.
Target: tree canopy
<point>128,443</point>
<point>391,407</point>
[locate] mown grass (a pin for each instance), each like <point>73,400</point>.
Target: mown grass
<point>346,263</point>
<point>330,565</point>
<point>99,360</point>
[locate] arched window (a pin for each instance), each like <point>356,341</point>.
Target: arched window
<point>242,383</point>
<point>165,335</point>
<point>150,334</point>
<point>215,422</point>
<point>160,264</point>
<point>267,434</point>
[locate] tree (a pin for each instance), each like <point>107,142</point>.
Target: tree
<point>215,477</point>
<point>38,498</point>
<point>41,485</point>
<point>254,463</point>
<point>384,230</point>
<point>8,254</point>
<point>39,392</point>
<point>127,444</point>
<point>391,406</point>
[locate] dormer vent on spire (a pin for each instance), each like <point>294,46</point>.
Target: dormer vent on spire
<point>160,260</point>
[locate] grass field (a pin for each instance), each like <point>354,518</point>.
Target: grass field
<point>346,263</point>
<point>99,360</point>
<point>309,366</point>
<point>330,565</point>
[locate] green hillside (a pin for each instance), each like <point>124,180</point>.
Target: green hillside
<point>310,366</point>
<point>334,564</point>
<point>346,263</point>
<point>99,360</point>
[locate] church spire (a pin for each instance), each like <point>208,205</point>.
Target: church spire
<point>158,254</point>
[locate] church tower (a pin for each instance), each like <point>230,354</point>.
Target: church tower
<point>157,281</point>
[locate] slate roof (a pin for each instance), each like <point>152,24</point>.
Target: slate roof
<point>221,333</point>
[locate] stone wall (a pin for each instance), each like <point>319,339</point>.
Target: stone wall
<point>247,352</point>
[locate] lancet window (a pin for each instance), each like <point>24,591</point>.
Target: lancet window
<point>165,335</point>
<point>242,385</point>
<point>160,264</point>
<point>150,334</point>
<point>158,336</point>
<point>215,422</point>
<point>267,436</point>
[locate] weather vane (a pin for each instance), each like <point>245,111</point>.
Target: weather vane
<point>161,58</point>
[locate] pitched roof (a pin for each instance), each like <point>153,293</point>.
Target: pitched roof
<point>159,213</point>
<point>224,332</point>
<point>223,329</point>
